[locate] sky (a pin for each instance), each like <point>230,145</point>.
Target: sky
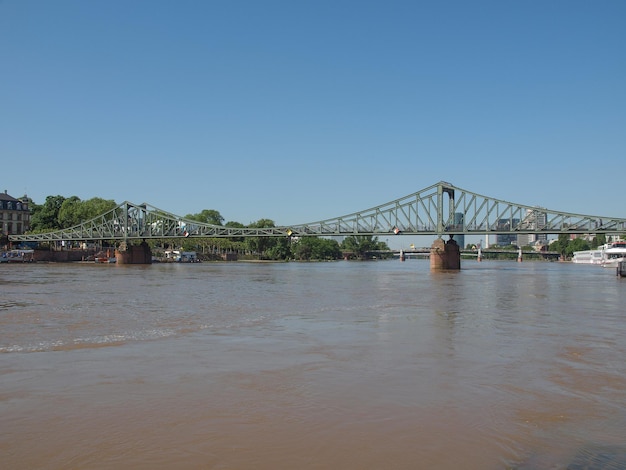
<point>299,111</point>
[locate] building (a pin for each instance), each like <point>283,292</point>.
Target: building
<point>14,214</point>
<point>459,223</point>
<point>535,219</point>
<point>505,239</point>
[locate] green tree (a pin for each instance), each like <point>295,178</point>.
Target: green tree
<point>73,211</point>
<point>219,245</point>
<point>327,249</point>
<point>233,224</point>
<point>561,244</point>
<point>314,248</point>
<point>281,249</point>
<point>45,217</point>
<point>303,248</point>
<point>598,240</point>
<point>69,213</point>
<point>577,244</point>
<point>381,246</point>
<point>260,245</point>
<point>207,216</point>
<point>567,247</point>
<point>360,245</point>
<point>96,206</point>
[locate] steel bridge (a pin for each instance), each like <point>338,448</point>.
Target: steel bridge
<point>440,209</point>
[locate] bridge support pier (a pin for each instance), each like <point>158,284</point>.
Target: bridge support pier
<point>133,254</point>
<point>445,255</point>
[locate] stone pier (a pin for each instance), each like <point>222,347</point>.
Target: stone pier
<point>133,254</point>
<point>445,255</point>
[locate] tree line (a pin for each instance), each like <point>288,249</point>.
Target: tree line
<point>58,212</point>
<point>567,246</point>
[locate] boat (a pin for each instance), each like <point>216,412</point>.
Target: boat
<point>181,256</point>
<point>588,257</point>
<point>17,256</point>
<point>102,257</point>
<point>608,255</point>
<point>614,253</point>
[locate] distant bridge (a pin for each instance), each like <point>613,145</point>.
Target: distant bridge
<point>440,209</point>
<point>425,252</point>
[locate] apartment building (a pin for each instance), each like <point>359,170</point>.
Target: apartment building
<point>14,214</point>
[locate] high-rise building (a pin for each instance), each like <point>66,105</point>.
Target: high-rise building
<point>504,239</point>
<point>535,219</point>
<point>459,222</point>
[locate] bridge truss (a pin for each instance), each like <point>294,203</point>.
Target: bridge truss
<point>441,209</point>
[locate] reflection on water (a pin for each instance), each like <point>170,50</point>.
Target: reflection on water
<point>320,365</point>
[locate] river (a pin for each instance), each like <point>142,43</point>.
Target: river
<point>347,365</point>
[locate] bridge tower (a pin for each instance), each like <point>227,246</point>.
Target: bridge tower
<point>126,252</point>
<point>445,255</point>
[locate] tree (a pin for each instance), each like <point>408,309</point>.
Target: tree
<point>327,249</point>
<point>360,244</point>
<point>233,224</point>
<point>598,240</point>
<point>207,216</point>
<point>314,248</point>
<point>280,249</point>
<point>567,247</point>
<point>303,248</point>
<point>577,244</point>
<point>261,244</point>
<point>69,212</point>
<point>381,246</point>
<point>561,244</point>
<point>96,206</point>
<point>73,211</point>
<point>45,217</point>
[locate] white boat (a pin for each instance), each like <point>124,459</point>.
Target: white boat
<point>608,255</point>
<point>614,253</point>
<point>181,256</point>
<point>588,257</point>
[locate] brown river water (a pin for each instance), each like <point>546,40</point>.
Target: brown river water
<point>344,365</point>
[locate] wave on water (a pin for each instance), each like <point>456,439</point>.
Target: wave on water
<point>99,341</point>
<point>85,341</point>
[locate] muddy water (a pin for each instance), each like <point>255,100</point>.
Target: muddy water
<point>312,366</point>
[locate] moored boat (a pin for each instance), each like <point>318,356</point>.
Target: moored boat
<point>614,254</point>
<point>588,257</point>
<point>608,255</point>
<point>104,257</point>
<point>17,256</point>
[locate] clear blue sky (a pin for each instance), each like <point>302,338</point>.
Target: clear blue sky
<point>305,110</point>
